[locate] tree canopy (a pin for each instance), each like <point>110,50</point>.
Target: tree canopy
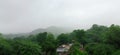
<point>97,40</point>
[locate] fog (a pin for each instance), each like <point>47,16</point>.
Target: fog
<point>20,16</point>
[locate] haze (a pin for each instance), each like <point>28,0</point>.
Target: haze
<point>20,16</point>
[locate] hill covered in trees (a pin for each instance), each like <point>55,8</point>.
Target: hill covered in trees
<point>97,40</point>
<point>52,29</point>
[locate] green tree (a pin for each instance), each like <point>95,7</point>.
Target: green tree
<point>96,33</point>
<point>113,36</point>
<point>99,49</point>
<point>90,48</point>
<point>41,38</point>
<point>0,34</point>
<point>20,38</point>
<point>5,47</point>
<point>23,47</point>
<point>49,45</point>
<point>63,39</point>
<point>32,38</point>
<point>47,42</point>
<point>75,50</point>
<point>79,36</point>
<point>116,52</point>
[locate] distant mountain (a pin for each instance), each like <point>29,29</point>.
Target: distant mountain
<point>54,30</point>
<point>15,35</point>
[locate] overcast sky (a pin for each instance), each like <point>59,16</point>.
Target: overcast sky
<point>17,16</point>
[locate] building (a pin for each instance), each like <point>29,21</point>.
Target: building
<point>63,49</point>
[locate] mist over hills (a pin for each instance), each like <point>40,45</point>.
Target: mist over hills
<point>52,29</point>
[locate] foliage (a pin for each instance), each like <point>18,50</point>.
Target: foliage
<point>5,47</point>
<point>23,47</point>
<point>79,36</point>
<point>96,33</point>
<point>49,45</point>
<point>63,39</point>
<point>75,49</point>
<point>99,49</point>
<point>41,37</point>
<point>98,40</point>
<point>113,36</point>
<point>116,52</point>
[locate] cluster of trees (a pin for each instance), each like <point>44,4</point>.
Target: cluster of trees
<point>98,40</point>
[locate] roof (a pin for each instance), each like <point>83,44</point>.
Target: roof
<point>64,48</point>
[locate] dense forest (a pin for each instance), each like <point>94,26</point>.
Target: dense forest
<point>97,40</point>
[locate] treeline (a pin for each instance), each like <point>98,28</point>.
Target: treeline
<point>98,40</point>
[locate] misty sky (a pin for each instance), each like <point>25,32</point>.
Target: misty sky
<point>17,16</point>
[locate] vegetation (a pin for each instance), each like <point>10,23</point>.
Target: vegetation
<point>98,40</point>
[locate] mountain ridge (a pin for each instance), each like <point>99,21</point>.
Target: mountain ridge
<point>52,29</point>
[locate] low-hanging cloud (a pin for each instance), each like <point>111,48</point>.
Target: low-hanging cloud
<point>17,16</point>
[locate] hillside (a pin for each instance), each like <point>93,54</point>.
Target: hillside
<point>54,30</point>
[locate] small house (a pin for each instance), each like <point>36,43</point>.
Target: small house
<point>63,49</point>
